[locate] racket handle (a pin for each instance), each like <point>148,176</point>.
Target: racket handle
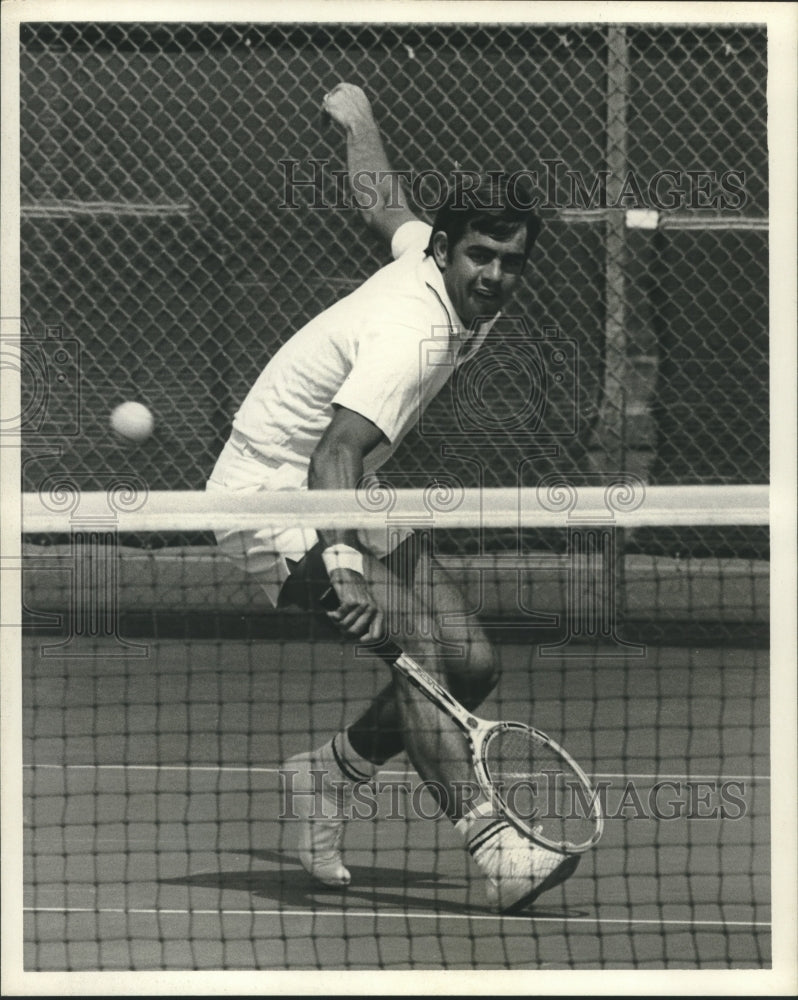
<point>432,689</point>
<point>329,599</point>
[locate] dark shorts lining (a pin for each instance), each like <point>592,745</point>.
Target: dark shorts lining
<point>309,580</point>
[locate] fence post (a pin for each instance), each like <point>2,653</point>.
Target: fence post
<point>612,418</point>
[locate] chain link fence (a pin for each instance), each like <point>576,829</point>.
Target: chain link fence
<point>183,214</point>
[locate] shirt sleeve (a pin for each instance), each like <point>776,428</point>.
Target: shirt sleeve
<point>390,379</point>
<point>411,235</point>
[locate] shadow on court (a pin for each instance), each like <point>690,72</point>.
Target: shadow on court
<point>372,885</point>
<point>293,887</point>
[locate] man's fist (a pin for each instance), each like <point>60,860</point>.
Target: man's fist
<point>357,613</point>
<point>348,105</point>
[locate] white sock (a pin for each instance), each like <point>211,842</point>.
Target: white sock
<point>342,759</point>
<point>479,825</point>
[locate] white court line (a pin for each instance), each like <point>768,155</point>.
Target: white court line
<point>215,768</point>
<point>401,915</point>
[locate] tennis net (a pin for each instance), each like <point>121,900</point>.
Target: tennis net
<point>162,696</point>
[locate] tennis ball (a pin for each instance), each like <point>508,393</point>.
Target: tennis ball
<point>132,421</point>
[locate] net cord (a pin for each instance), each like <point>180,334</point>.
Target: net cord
<point>65,509</point>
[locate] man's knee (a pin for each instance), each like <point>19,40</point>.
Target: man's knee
<point>473,676</point>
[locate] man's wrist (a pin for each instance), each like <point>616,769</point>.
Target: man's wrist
<point>363,125</point>
<point>342,557</point>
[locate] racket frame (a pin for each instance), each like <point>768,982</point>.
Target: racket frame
<point>478,732</point>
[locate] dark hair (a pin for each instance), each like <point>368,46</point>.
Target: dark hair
<point>496,207</point>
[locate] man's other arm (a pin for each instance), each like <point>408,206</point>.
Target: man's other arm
<point>382,202</point>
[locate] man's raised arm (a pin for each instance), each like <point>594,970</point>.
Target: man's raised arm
<point>382,203</point>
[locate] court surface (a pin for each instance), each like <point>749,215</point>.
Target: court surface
<point>153,838</point>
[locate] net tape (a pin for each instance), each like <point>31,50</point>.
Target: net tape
<point>554,506</point>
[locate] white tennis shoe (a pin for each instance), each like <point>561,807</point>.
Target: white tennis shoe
<point>516,870</point>
<point>322,812</point>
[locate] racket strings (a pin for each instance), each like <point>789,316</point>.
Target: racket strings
<point>540,787</point>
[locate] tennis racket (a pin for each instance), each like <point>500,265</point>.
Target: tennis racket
<point>528,777</point>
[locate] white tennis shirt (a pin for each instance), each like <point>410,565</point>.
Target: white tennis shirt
<point>383,351</point>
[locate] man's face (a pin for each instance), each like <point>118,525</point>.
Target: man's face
<point>480,272</point>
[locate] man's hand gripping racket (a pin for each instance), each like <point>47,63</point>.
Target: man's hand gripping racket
<point>528,777</point>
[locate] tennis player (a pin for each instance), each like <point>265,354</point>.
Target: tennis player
<point>332,405</point>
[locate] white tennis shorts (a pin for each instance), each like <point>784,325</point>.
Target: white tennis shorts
<point>263,553</point>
